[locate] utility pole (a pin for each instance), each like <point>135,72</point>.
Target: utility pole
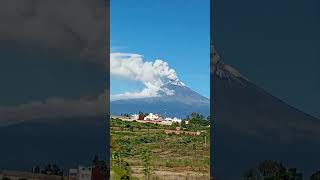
<point>32,172</point>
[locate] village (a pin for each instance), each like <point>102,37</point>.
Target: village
<point>160,120</point>
<point>93,172</point>
<point>142,140</point>
<point>150,118</point>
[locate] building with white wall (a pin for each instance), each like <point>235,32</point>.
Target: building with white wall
<point>84,173</point>
<point>152,117</point>
<point>134,117</point>
<point>173,119</point>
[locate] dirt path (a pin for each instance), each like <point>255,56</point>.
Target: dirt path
<point>169,175</point>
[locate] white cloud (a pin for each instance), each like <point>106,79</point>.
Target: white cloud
<point>152,74</point>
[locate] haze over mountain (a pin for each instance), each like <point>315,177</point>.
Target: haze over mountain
<point>163,92</point>
<point>252,126</point>
<point>182,102</point>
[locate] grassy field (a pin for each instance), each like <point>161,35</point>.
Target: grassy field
<point>145,151</point>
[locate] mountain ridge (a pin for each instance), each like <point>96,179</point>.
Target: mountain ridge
<point>259,125</point>
<point>183,102</point>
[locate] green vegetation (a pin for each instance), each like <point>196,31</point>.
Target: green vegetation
<point>272,170</point>
<point>315,176</point>
<point>144,150</point>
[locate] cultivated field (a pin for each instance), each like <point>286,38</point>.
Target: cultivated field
<point>146,151</point>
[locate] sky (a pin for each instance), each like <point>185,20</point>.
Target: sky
<point>52,71</point>
<point>176,32</point>
<point>274,44</point>
<point>53,62</point>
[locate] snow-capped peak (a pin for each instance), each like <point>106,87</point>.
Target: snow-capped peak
<point>177,82</point>
<point>223,70</point>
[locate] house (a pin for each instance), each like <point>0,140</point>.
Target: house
<point>168,123</point>
<point>173,119</point>
<point>73,174</point>
<point>152,117</point>
<point>177,120</point>
<point>82,173</point>
<point>168,119</point>
<point>134,117</point>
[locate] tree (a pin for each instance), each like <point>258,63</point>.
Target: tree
<point>47,169</point>
<point>251,174</point>
<point>55,170</point>
<point>36,170</point>
<point>195,115</point>
<point>183,124</point>
<point>95,160</point>
<point>271,168</point>
<point>315,176</point>
<point>100,164</point>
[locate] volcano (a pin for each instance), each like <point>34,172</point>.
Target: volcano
<point>251,125</point>
<point>181,103</point>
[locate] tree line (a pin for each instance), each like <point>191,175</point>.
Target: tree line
<point>274,170</point>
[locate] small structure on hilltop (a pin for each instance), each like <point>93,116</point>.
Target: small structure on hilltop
<point>152,117</point>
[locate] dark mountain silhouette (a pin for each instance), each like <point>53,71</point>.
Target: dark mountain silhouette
<point>68,143</point>
<point>252,126</point>
<point>182,103</point>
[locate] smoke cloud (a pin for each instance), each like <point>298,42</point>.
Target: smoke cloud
<point>73,27</point>
<point>152,74</point>
<point>54,108</point>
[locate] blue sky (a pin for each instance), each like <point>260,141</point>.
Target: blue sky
<point>177,32</point>
<point>275,44</point>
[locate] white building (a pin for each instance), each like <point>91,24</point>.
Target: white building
<point>135,117</point>
<point>169,123</point>
<point>173,119</point>
<point>177,120</point>
<point>152,117</point>
<point>82,173</point>
<point>73,174</point>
